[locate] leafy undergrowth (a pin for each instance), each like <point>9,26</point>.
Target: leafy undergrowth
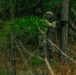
<point>31,65</point>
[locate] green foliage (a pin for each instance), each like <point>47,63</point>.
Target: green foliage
<point>28,3</point>
<point>35,62</point>
<point>26,25</point>
<point>47,5</point>
<point>50,4</point>
<point>4,72</point>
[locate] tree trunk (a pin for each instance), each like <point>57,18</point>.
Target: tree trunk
<point>12,41</point>
<point>13,56</point>
<point>64,28</point>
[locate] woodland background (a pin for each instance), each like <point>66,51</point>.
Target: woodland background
<point>21,17</point>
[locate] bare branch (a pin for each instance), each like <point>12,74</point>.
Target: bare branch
<point>71,32</point>
<point>42,32</point>
<point>74,12</point>
<point>72,25</point>
<point>26,51</point>
<point>31,6</point>
<point>46,61</point>
<point>74,21</point>
<point>49,66</point>
<point>61,51</point>
<point>19,49</point>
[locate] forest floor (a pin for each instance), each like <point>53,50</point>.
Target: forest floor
<point>24,67</point>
